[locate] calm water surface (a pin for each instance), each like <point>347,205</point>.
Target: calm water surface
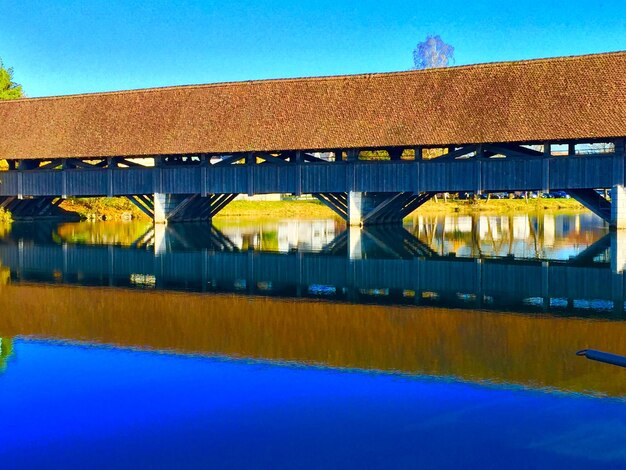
<point>298,344</point>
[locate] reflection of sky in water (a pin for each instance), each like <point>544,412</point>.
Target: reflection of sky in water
<point>283,236</point>
<point>546,236</point>
<point>67,406</point>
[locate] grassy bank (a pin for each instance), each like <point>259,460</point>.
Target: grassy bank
<point>123,209</point>
<point>103,208</point>
<point>307,209</point>
<point>316,210</point>
<point>501,206</point>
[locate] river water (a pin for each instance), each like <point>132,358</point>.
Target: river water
<point>299,344</point>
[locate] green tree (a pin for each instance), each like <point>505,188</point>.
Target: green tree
<point>9,90</point>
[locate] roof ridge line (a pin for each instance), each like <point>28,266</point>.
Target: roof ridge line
<point>367,75</point>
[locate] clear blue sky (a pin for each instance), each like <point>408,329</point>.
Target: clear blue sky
<point>77,46</point>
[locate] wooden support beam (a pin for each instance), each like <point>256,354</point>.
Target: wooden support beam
<point>519,149</point>
<point>418,152</point>
<point>512,151</point>
<point>217,207</point>
<point>547,149</point>
<point>250,158</point>
<point>310,158</point>
<point>189,200</point>
<point>271,159</point>
<point>334,203</point>
<point>415,203</point>
<point>52,164</point>
<point>454,154</point>
<point>202,209</point>
<point>385,207</point>
<point>352,155</point>
<point>571,149</point>
<point>129,164</point>
<point>545,167</point>
<point>141,205</point>
<point>395,153</point>
<point>230,160</point>
<point>592,201</point>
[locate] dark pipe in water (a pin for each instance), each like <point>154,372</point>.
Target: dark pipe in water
<point>601,356</point>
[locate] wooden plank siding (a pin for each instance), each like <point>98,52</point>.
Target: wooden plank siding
<point>511,175</point>
<point>324,178</point>
<point>389,177</point>
<point>42,183</point>
<point>87,183</point>
<point>450,176</point>
<point>581,172</point>
<point>470,175</point>
<point>131,181</point>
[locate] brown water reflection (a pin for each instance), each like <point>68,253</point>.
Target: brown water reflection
<point>530,351</point>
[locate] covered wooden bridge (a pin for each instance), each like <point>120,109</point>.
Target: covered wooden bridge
<point>183,153</point>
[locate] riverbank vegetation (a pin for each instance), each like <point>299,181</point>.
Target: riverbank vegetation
<point>122,209</point>
<point>502,205</point>
<point>103,208</point>
<point>5,217</point>
<point>312,209</point>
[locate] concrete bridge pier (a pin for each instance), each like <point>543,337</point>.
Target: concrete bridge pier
<point>618,251</point>
<point>166,205</point>
<point>618,207</point>
<point>389,242</point>
<point>373,208</point>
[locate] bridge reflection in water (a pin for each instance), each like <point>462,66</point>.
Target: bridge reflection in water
<point>530,349</point>
<point>378,265</point>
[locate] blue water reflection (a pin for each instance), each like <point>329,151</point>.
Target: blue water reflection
<point>69,406</point>
<point>426,299</point>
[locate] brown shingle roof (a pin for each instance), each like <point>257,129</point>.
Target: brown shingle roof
<point>536,100</point>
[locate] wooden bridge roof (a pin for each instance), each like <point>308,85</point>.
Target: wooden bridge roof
<point>527,101</point>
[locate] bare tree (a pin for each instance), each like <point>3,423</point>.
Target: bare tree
<point>432,53</point>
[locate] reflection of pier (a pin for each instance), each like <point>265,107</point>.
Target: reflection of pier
<point>527,235</point>
<point>357,266</point>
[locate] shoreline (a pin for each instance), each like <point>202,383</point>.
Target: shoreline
<point>122,209</point>
<point>315,209</point>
